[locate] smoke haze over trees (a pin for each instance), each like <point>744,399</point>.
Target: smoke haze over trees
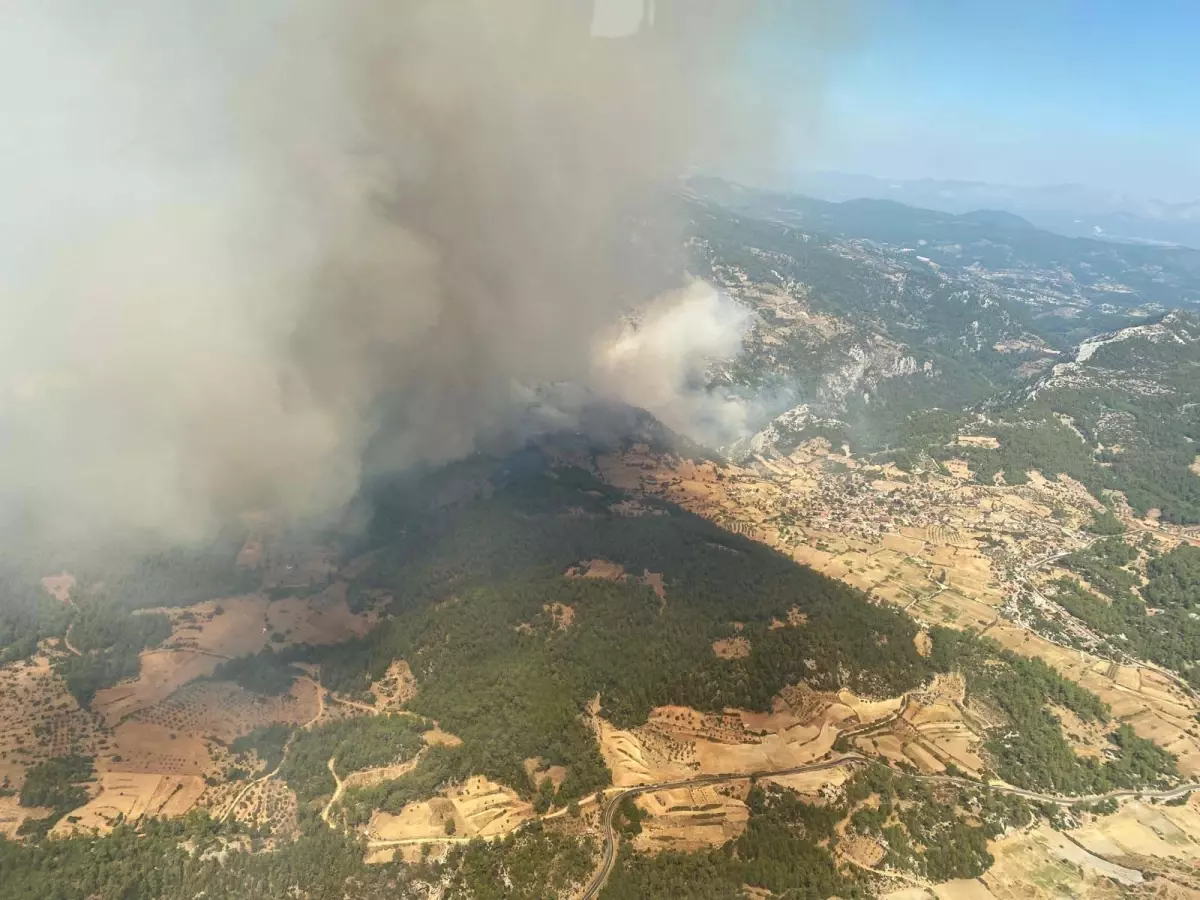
<point>245,241</point>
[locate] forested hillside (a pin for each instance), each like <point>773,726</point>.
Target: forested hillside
<point>858,332</point>
<point>475,588</point>
<point>1124,414</point>
<point>897,329</point>
<point>103,611</point>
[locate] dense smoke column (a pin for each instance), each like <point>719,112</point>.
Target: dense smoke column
<point>244,241</point>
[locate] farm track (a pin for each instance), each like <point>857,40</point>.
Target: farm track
<point>67,640</point>
<point>337,793</point>
<point>338,781</point>
<point>286,747</point>
<point>375,711</point>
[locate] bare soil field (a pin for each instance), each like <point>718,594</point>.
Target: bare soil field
<point>378,775</point>
<point>633,760</point>
<point>129,796</point>
<point>796,746</point>
<point>1144,850</point>
<point>251,556</point>
<point>222,710</point>
<point>679,742</point>
<point>1153,838</point>
<point>478,808</point>
<point>909,893</point>
<point>933,583</point>
<point>1142,831</point>
<point>157,750</point>
<point>561,614</point>
<point>795,619</point>
<point>395,688</point>
<point>537,771</point>
<point>933,733</point>
<point>865,851</point>
<point>1044,863</point>
<point>1155,708</point>
<point>321,619</point>
<point>601,569</point>
<point>975,440</point>
<point>923,643</point>
<point>1089,740</point>
<point>207,633</point>
<point>12,814</point>
<point>238,626</point>
<point>425,821</point>
<point>691,819</point>
<point>435,737</point>
<point>285,565</point>
<point>224,628</point>
<point>59,586</point>
<point>163,673</point>
<point>887,746</point>
<point>163,743</point>
<point>732,648</point>
<point>815,786</point>
<point>947,742</point>
<point>654,581</point>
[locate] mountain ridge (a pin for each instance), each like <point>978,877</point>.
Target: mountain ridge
<point>1069,209</point>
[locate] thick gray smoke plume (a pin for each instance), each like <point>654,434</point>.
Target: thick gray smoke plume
<point>238,237</point>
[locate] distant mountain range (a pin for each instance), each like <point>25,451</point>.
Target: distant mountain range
<point>1070,209</point>
<point>1047,270</point>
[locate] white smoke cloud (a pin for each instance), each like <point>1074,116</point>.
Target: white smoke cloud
<point>660,362</point>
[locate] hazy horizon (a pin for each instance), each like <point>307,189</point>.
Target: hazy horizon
<point>884,176</point>
<point>1028,93</point>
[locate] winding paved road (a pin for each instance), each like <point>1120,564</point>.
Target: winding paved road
<point>610,809</point>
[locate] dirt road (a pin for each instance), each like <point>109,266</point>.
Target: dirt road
<point>337,793</point>
<point>286,747</point>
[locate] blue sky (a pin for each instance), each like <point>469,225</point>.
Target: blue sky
<point>1103,93</point>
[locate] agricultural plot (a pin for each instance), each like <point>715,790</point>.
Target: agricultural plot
<point>41,719</point>
<point>477,808</point>
<point>130,796</point>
